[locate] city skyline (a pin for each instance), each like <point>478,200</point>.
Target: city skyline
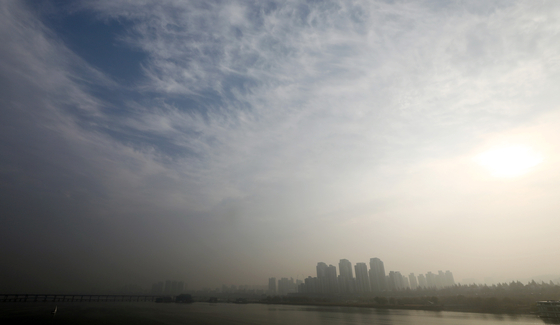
<point>375,280</point>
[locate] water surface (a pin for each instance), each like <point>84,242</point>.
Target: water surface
<point>223,313</point>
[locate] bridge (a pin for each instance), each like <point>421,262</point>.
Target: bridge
<point>76,298</point>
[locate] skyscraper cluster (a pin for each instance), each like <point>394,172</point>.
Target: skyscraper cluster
<point>170,287</point>
<point>284,286</point>
<point>373,280</point>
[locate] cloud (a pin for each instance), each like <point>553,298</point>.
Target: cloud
<point>298,90</point>
<point>305,109</point>
<point>264,121</point>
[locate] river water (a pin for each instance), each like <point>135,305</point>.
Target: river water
<point>223,313</point>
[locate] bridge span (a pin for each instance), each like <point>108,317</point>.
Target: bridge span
<point>77,298</point>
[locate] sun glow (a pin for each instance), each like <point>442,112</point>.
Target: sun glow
<point>509,161</point>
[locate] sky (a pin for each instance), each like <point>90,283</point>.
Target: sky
<point>226,142</point>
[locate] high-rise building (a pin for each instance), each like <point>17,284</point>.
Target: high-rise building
<point>440,280</point>
<point>167,289</point>
<point>396,281</point>
<point>345,268</point>
<point>413,282</point>
<point>431,280</point>
<point>346,278</point>
<point>406,284</point>
<point>377,275</point>
<point>312,285</point>
<point>283,286</point>
<point>272,286</point>
<point>322,276</point>
<point>422,283</point>
<point>286,286</point>
<point>362,279</point>
<point>392,282</point>
<point>332,280</point>
<point>449,280</point>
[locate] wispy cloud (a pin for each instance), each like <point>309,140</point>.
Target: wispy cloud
<point>254,116</point>
<point>304,90</point>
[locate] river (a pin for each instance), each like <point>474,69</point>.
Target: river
<point>224,313</point>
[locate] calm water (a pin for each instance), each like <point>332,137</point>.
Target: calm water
<point>205,313</point>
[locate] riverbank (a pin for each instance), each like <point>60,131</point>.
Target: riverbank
<point>517,310</point>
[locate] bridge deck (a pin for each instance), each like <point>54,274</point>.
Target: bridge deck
<point>76,298</point>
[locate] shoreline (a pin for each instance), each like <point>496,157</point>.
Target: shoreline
<point>521,310</point>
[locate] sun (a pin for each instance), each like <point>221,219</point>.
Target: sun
<point>511,161</point>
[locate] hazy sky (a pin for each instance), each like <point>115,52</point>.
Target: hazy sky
<point>225,142</point>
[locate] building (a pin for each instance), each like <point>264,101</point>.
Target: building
<point>406,284</point>
<point>362,278</point>
<point>449,280</point>
<point>392,281</point>
<point>272,286</point>
<point>431,280</point>
<point>322,276</point>
<point>346,278</point>
<point>422,283</point>
<point>377,275</point>
<point>396,281</point>
<point>332,280</point>
<point>286,286</point>
<point>311,285</point>
<point>167,288</point>
<point>413,282</point>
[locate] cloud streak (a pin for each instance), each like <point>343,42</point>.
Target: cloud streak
<point>278,124</point>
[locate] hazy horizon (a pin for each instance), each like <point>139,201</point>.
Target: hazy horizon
<point>229,142</point>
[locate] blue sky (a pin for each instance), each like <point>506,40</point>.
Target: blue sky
<point>228,142</point>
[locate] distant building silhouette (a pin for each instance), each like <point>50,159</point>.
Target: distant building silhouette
<point>422,281</point>
<point>449,280</point>
<point>272,286</point>
<point>346,281</point>
<point>362,278</point>
<point>322,277</point>
<point>396,281</point>
<point>413,281</point>
<point>405,282</point>
<point>311,285</point>
<point>327,282</point>
<point>332,280</point>
<point>431,280</point>
<point>377,275</point>
<point>286,286</point>
<point>167,289</point>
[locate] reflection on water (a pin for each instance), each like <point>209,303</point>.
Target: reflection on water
<point>206,313</point>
